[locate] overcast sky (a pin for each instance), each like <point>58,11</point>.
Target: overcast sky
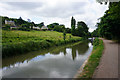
<point>50,11</point>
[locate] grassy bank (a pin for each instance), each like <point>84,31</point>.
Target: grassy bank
<point>93,60</point>
<point>19,42</point>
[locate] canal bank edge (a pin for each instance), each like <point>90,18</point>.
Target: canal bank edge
<point>22,48</point>
<point>81,68</point>
<point>87,70</point>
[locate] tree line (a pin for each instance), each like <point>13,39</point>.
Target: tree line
<point>79,29</point>
<point>109,24</point>
<point>27,26</point>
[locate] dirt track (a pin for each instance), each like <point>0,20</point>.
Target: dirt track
<point>108,67</point>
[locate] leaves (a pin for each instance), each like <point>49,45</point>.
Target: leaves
<point>110,22</point>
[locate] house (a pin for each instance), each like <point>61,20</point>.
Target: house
<point>38,28</point>
<point>44,27</point>
<point>12,23</point>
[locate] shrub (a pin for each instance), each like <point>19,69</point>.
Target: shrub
<point>24,29</point>
<point>96,42</point>
<point>6,27</point>
<point>14,28</point>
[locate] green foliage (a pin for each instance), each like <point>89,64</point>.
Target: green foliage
<point>73,23</point>
<point>40,25</point>
<point>24,29</point>
<point>81,30</point>
<point>51,26</point>
<point>6,27</point>
<point>68,30</point>
<point>18,22</point>
<point>3,20</point>
<point>73,30</point>
<point>110,22</point>
<point>56,27</point>
<point>64,35</point>
<point>96,42</point>
<point>14,29</point>
<point>95,33</point>
<point>19,42</point>
<point>25,25</point>
<point>59,28</point>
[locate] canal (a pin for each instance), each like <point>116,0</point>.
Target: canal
<point>57,62</point>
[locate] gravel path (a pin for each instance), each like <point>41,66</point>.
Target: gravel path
<point>108,67</point>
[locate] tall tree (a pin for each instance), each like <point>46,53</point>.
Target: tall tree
<point>73,23</point>
<point>20,21</point>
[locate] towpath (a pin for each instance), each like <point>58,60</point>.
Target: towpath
<point>108,67</point>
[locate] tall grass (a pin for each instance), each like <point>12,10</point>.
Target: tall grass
<point>19,42</point>
<point>93,60</point>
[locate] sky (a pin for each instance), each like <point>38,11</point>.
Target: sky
<point>50,11</point>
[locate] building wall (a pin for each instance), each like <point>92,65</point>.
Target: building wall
<point>10,22</point>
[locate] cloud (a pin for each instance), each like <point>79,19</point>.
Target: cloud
<point>23,5</point>
<point>49,11</point>
<point>60,10</point>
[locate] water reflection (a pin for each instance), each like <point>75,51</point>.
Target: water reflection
<point>57,63</point>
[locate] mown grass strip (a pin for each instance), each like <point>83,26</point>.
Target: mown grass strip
<point>93,60</point>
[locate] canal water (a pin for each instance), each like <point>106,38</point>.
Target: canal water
<point>56,62</point>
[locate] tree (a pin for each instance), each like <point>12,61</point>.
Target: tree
<point>7,27</point>
<point>82,29</point>
<point>25,25</point>
<point>20,18</point>
<point>59,28</point>
<point>95,33</point>
<point>51,26</point>
<point>102,1</point>
<point>108,26</point>
<point>79,31</point>
<point>64,34</point>
<point>68,30</point>
<point>20,21</point>
<point>73,23</point>
<point>62,27</point>
<point>41,24</point>
<point>3,20</point>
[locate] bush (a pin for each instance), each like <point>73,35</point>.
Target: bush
<point>96,42</point>
<point>24,29</point>
<point>14,29</point>
<point>44,29</point>
<point>6,27</point>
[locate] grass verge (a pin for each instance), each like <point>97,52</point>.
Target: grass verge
<point>93,60</point>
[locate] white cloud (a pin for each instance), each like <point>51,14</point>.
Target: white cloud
<point>49,11</point>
